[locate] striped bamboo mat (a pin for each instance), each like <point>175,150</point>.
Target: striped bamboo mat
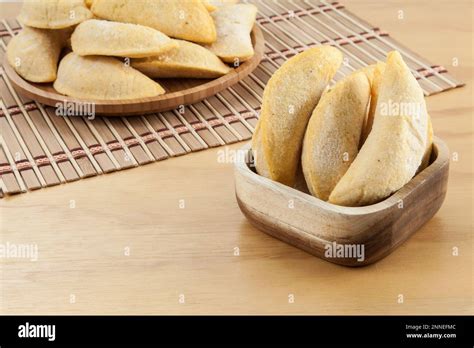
<point>39,149</point>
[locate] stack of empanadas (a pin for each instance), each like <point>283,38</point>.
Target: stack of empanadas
<point>120,46</point>
<point>356,142</point>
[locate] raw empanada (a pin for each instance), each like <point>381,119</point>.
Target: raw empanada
<point>104,38</point>
<point>34,53</point>
<point>375,73</point>
<point>395,147</point>
<point>234,24</point>
<point>53,14</point>
<point>213,5</point>
<point>289,99</point>
<point>425,162</point>
<point>333,134</point>
<point>184,19</point>
<point>188,60</point>
<point>102,78</point>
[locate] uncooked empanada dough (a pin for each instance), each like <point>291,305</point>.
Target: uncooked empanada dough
<point>34,53</point>
<point>102,78</point>
<point>104,38</point>
<point>53,14</point>
<point>188,60</point>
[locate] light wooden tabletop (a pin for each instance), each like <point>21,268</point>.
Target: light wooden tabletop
<point>168,238</point>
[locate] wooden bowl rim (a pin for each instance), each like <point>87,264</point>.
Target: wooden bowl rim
<point>52,98</point>
<point>440,150</point>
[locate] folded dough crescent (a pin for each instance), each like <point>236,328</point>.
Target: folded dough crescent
<point>213,5</point>
<point>234,24</point>
<point>184,19</point>
<point>288,101</point>
<point>34,53</point>
<point>375,73</point>
<point>396,145</point>
<point>333,134</point>
<point>104,38</point>
<point>187,60</point>
<point>102,78</point>
<point>429,147</point>
<point>53,14</point>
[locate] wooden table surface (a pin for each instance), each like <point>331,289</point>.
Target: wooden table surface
<point>130,247</point>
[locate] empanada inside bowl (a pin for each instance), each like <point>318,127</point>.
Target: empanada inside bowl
<point>340,234</point>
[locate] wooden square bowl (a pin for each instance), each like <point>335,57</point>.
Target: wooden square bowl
<point>349,236</point>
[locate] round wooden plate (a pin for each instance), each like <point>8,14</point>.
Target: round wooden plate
<point>179,91</point>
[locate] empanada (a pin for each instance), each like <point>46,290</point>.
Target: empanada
<point>104,38</point>
<point>429,147</point>
<point>213,5</point>
<point>102,78</point>
<point>34,53</point>
<point>53,14</point>
<point>234,24</point>
<point>333,134</point>
<point>188,60</point>
<point>289,99</point>
<point>375,73</point>
<point>184,19</point>
<point>395,147</point>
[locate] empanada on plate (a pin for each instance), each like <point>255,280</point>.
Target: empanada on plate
<point>53,14</point>
<point>102,78</point>
<point>104,38</point>
<point>234,24</point>
<point>184,19</point>
<point>34,53</point>
<point>188,60</point>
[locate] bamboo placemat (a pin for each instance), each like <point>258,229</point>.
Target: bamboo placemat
<point>39,149</point>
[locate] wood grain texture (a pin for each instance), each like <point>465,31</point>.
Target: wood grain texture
<point>178,91</point>
<point>190,251</point>
<point>312,224</point>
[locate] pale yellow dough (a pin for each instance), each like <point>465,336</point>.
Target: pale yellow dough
<point>234,24</point>
<point>184,19</point>
<point>395,147</point>
<point>53,14</point>
<point>331,141</point>
<point>187,60</point>
<point>34,53</point>
<point>102,78</point>
<point>375,73</point>
<point>213,5</point>
<point>99,37</point>
<point>288,101</point>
